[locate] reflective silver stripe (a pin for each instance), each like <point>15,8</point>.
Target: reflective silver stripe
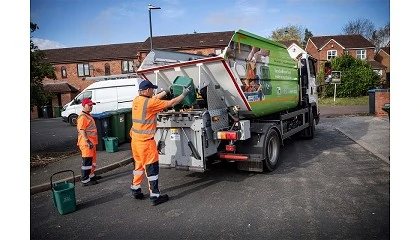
<point>143,113</point>
<point>144,131</point>
<point>154,194</point>
<point>138,173</point>
<point>153,178</point>
<point>86,167</point>
<point>135,187</point>
<point>91,175</point>
<point>90,128</point>
<point>145,121</point>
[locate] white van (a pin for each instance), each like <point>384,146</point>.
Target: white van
<point>108,95</point>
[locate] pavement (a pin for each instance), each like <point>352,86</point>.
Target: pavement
<point>371,132</point>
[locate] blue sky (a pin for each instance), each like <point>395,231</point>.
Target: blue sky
<point>75,23</point>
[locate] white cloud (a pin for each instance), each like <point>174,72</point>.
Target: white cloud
<point>47,44</point>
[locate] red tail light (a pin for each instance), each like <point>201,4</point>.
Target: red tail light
<point>227,135</point>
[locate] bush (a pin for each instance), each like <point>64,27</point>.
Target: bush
<point>357,77</point>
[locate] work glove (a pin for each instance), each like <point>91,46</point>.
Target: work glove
<point>186,90</point>
<point>90,144</point>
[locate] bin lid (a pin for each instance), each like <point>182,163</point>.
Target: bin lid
<point>371,90</point>
<point>124,110</point>
<point>111,112</point>
<point>101,115</point>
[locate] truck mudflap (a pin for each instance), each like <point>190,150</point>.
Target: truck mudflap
<point>245,162</point>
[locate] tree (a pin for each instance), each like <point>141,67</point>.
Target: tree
<point>380,37</point>
<point>40,69</point>
<point>287,34</point>
<point>363,27</point>
<point>308,34</point>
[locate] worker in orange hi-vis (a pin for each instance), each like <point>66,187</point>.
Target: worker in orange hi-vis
<point>144,113</point>
<point>87,140</point>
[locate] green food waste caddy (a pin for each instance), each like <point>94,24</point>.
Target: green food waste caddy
<point>178,87</point>
<point>63,194</point>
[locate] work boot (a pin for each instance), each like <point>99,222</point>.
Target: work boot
<point>158,200</point>
<point>91,182</point>
<point>95,178</point>
<point>137,194</point>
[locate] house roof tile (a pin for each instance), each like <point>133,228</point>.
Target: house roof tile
<point>376,64</point>
<point>89,53</point>
<point>59,87</point>
<point>129,50</point>
<point>386,49</point>
<point>190,41</point>
<point>289,43</point>
<point>347,41</point>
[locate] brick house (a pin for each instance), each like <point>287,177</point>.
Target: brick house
<point>383,57</point>
<point>72,65</point>
<point>324,48</point>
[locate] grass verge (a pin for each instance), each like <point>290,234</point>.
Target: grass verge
<point>351,101</point>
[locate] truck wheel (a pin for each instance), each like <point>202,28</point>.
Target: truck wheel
<point>271,150</point>
<point>73,120</point>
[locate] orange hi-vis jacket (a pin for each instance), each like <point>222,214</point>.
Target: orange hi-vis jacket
<point>144,113</point>
<point>85,121</point>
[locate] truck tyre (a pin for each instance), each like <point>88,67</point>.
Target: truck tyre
<point>271,150</point>
<point>73,120</point>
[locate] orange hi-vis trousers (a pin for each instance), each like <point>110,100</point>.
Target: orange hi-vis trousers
<point>88,162</point>
<point>146,161</point>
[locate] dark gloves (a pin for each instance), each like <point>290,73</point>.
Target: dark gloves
<point>90,144</point>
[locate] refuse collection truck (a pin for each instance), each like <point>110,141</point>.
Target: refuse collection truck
<point>247,101</point>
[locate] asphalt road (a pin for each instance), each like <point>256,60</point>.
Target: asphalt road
<point>52,135</point>
<point>325,188</point>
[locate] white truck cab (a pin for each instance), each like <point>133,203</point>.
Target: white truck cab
<point>108,95</point>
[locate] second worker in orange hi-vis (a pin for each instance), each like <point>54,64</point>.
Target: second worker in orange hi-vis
<point>87,140</point>
<point>144,113</point>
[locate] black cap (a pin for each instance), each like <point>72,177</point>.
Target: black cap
<point>146,84</point>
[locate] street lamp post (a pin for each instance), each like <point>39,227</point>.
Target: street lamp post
<point>151,7</point>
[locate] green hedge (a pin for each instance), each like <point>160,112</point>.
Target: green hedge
<point>357,77</point>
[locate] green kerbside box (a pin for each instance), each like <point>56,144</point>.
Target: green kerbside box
<point>111,144</point>
<point>178,86</point>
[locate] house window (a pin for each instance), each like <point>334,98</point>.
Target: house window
<point>361,54</point>
<point>83,69</point>
<point>127,66</point>
<point>331,54</point>
<point>107,69</point>
<point>63,72</point>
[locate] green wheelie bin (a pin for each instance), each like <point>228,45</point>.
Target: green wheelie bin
<point>118,125</point>
<point>128,122</point>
